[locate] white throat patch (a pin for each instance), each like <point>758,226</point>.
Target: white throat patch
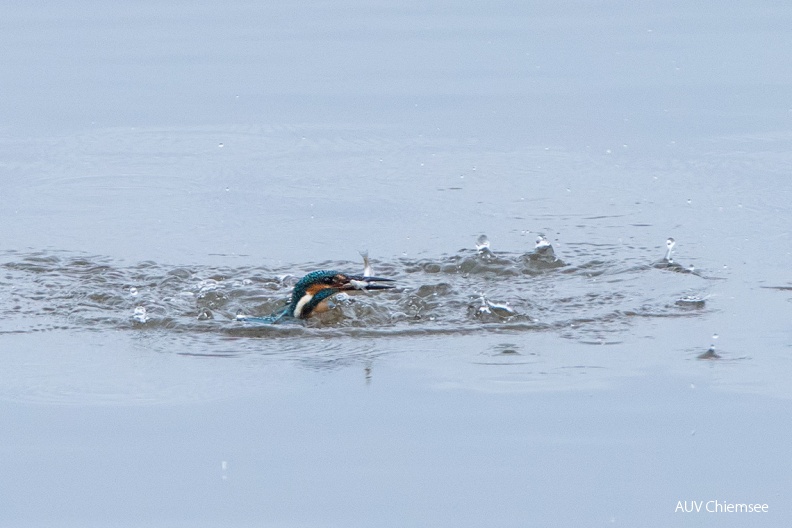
<point>305,299</point>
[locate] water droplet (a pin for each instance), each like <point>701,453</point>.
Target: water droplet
<point>139,314</point>
<point>691,301</point>
<point>133,291</point>
<point>367,271</point>
<point>220,145</point>
<point>483,247</point>
<point>670,243</point>
<point>709,354</point>
<point>715,336</point>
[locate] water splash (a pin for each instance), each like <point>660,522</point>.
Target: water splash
<point>434,295</point>
<point>367,271</point>
<point>140,315</point>
<point>483,247</point>
<point>710,353</point>
<point>487,307</point>
<point>667,262</point>
<point>543,256</point>
<point>670,243</point>
<point>691,302</point>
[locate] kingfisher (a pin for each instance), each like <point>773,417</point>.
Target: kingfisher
<point>312,292</point>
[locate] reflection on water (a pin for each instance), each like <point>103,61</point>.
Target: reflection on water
<point>590,296</point>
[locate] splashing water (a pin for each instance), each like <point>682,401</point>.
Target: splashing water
<point>367,271</point>
<point>140,315</point>
<point>670,243</point>
<point>543,255</point>
<point>483,246</point>
<point>489,307</point>
<point>487,312</point>
<point>433,296</point>
<point>542,243</point>
<point>691,301</point>
<point>667,262</point>
<point>710,353</point>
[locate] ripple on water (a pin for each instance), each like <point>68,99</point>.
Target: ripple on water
<point>590,296</point>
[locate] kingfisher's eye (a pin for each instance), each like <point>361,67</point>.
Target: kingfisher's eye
<point>328,280</point>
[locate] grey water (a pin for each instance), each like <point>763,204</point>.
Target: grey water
<point>165,169</point>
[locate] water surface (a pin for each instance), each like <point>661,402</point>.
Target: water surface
<point>165,169</point>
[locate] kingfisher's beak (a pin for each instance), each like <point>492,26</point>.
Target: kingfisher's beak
<point>359,282</point>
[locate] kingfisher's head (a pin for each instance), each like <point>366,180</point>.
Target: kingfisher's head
<point>318,286</point>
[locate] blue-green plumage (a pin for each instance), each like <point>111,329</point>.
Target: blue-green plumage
<point>311,292</point>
